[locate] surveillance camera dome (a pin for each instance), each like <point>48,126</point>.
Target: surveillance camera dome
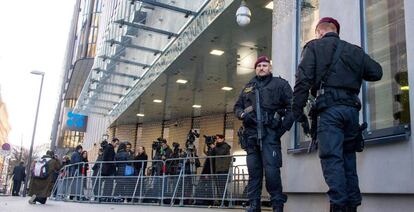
<point>243,15</point>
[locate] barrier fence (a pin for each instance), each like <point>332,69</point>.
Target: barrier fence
<point>215,180</point>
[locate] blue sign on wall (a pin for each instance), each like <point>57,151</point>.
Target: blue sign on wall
<point>76,122</point>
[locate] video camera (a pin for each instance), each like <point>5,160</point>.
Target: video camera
<point>156,145</point>
<point>209,139</point>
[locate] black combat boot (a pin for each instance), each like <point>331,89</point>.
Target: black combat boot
<point>337,208</point>
<point>351,208</point>
<point>254,206</point>
<point>278,208</point>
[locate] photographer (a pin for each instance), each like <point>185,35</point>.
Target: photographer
<point>221,164</point>
<point>162,152</point>
<point>175,164</point>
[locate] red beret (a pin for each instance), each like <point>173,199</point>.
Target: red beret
<point>261,59</point>
<point>330,20</point>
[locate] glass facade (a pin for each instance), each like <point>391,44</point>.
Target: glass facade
<point>85,47</point>
<point>388,99</point>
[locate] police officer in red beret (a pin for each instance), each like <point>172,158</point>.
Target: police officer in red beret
<point>264,106</point>
<point>333,70</point>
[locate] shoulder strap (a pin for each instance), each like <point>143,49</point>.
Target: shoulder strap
<point>335,58</point>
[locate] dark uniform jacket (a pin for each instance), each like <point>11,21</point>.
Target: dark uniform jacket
<point>353,66</point>
<point>19,173</point>
<point>275,96</point>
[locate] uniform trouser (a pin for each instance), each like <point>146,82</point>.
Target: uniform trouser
<point>268,160</point>
<point>16,187</point>
<point>338,126</point>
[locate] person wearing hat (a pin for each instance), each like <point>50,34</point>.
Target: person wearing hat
<point>264,124</point>
<point>333,70</point>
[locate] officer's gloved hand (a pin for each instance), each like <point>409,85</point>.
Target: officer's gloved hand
<point>279,132</point>
<point>303,120</point>
<point>249,119</point>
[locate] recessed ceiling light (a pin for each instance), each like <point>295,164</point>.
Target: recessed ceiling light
<point>181,81</point>
<point>140,115</point>
<point>269,5</point>
<point>226,88</point>
<point>157,100</point>
<point>217,52</point>
<point>196,106</point>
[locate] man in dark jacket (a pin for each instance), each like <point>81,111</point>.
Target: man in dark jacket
<point>76,158</point>
<point>333,70</point>
<point>108,167</point>
<point>264,122</point>
<point>19,175</point>
<point>75,170</point>
<point>221,164</point>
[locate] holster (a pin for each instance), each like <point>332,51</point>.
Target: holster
<point>242,138</point>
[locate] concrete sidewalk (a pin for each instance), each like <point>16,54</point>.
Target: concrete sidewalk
<point>20,204</point>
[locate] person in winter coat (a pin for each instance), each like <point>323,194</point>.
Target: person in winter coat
<point>108,167</point>
<point>142,157</point>
<point>221,164</point>
<point>19,175</point>
<point>40,189</point>
<point>123,181</point>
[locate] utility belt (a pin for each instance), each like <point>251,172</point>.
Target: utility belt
<point>329,96</point>
<point>270,119</point>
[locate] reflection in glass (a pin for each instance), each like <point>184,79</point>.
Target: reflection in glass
<point>388,99</point>
<point>309,17</point>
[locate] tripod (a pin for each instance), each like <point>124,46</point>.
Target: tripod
<point>188,167</point>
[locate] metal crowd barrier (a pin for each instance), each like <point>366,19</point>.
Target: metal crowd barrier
<point>177,181</point>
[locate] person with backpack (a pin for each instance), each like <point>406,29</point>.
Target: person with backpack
<point>41,184</point>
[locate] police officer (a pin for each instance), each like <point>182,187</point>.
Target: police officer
<point>333,70</point>
<point>264,122</point>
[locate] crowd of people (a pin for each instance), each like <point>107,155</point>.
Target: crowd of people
<point>112,174</point>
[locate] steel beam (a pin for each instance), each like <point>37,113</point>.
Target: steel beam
<point>144,27</point>
<point>155,51</point>
<point>104,57</point>
<point>112,84</point>
<point>116,73</point>
<point>168,7</point>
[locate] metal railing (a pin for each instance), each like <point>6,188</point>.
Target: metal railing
<point>176,181</point>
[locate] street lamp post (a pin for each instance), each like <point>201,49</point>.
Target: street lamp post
<point>29,163</point>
